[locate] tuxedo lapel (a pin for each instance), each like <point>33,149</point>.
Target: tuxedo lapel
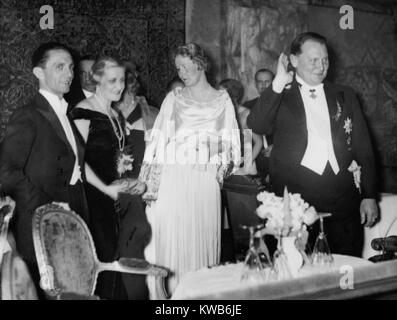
<point>295,105</point>
<point>79,140</point>
<point>46,110</point>
<point>334,108</point>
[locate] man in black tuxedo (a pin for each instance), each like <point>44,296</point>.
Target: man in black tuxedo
<point>319,135</point>
<point>42,154</point>
<point>83,86</point>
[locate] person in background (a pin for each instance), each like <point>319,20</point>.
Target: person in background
<point>194,145</point>
<point>83,86</point>
<point>174,83</point>
<point>322,148</point>
<point>263,79</point>
<point>254,143</point>
<point>139,117</point>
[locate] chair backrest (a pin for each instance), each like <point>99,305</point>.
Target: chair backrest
<point>15,281</point>
<point>7,206</point>
<point>240,196</point>
<point>65,251</point>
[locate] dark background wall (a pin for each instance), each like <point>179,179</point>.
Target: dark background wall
<point>143,30</point>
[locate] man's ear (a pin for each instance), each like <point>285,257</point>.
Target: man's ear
<point>38,72</point>
<point>293,60</point>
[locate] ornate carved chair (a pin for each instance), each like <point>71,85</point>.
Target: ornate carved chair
<point>239,196</point>
<point>7,206</point>
<point>15,280</point>
<point>67,259</point>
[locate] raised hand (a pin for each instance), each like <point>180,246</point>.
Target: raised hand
<point>283,76</point>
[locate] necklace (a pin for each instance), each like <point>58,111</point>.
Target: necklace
<point>119,133</point>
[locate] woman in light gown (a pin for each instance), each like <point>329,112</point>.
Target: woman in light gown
<point>194,144</point>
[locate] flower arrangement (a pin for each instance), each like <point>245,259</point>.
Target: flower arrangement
<point>286,216</point>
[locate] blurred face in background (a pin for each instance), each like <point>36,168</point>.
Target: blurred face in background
<point>263,80</point>
<point>112,83</point>
<point>86,79</point>
<point>188,71</point>
<point>132,84</point>
<point>176,84</point>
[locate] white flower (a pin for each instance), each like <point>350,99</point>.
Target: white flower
<point>310,216</point>
<point>272,209</point>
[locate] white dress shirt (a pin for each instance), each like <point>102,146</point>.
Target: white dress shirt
<point>87,93</point>
<point>319,149</point>
<point>60,107</point>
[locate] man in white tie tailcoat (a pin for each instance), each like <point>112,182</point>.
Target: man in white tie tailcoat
<point>321,146</point>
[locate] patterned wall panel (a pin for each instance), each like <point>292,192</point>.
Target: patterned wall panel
<point>244,35</point>
<point>144,31</point>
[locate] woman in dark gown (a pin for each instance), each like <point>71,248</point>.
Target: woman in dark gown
<point>103,130</point>
<point>138,118</point>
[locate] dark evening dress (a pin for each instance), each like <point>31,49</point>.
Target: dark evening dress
<point>113,224</point>
<point>136,141</point>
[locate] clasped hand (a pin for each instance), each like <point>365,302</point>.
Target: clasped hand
<point>129,185</point>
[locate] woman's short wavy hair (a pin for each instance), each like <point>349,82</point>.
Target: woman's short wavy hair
<point>101,64</point>
<point>195,53</point>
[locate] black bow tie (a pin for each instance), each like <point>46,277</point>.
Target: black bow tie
<point>312,94</point>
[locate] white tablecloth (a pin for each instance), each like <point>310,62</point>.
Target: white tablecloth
<point>386,226</point>
<point>226,278</point>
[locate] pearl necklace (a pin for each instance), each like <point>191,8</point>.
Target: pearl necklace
<point>120,137</point>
